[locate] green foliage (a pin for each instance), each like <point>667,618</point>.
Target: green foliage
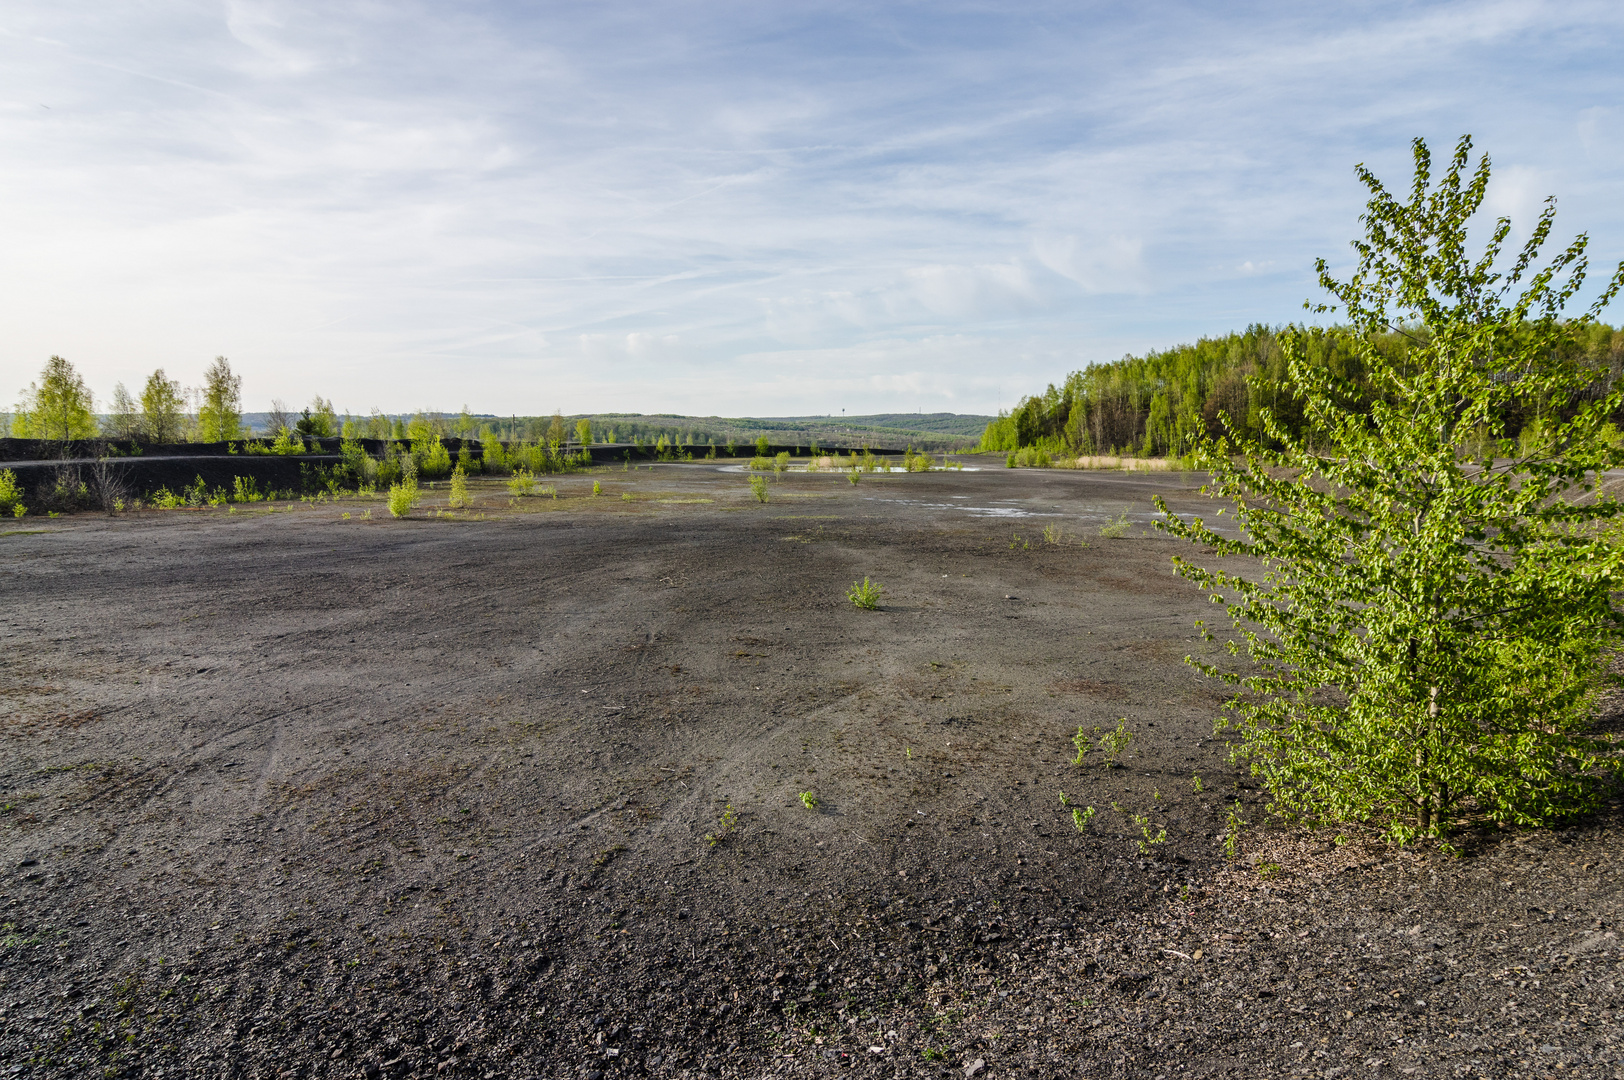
<point>853,476</point>
<point>317,420</point>
<point>123,421</point>
<point>433,459</point>
<point>11,494</point>
<point>1437,595</point>
<point>402,498</point>
<point>1117,528</point>
<point>597,488</point>
<point>763,444</point>
<point>458,499</point>
<point>58,407</point>
<point>163,409</point>
<point>583,435</point>
<point>244,490</point>
<point>781,462</point>
<point>725,826</point>
<point>1195,783</point>
<point>758,488</point>
<point>1232,831</point>
<point>495,458</point>
<point>522,483</point>
<point>1080,818</point>
<point>219,417</point>
<point>809,800</point>
<point>1083,744</point>
<point>1113,744</point>
<point>287,443</point>
<point>865,594</point>
<point>760,464</point>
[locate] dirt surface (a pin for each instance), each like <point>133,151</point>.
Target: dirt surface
<point>518,793</point>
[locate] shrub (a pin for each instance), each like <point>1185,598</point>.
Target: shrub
<point>11,495</point>
<point>495,458</point>
<point>763,444</point>
<point>436,459</point>
<point>865,594</point>
<point>523,482</point>
<point>761,464</point>
<point>758,488</point>
<point>287,443</point>
<point>1116,529</point>
<point>402,497</point>
<point>781,462</point>
<point>597,488</point>
<point>465,460</point>
<point>244,490</point>
<point>1433,625</point>
<point>459,489</point>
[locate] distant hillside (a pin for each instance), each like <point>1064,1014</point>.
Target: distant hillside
<point>892,431</point>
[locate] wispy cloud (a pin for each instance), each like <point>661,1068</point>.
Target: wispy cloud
<point>733,207</point>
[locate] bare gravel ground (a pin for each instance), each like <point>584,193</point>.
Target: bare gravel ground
<point>290,795</point>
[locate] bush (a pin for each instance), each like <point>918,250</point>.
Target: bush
<point>436,459</point>
<point>11,495</point>
<point>287,443</point>
<point>244,490</point>
<point>865,594</point>
<point>522,483</point>
<point>402,497</point>
<point>1431,632</point>
<point>495,458</point>
<point>758,488</point>
<point>763,444</point>
<point>459,489</point>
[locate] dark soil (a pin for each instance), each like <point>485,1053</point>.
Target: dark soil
<point>289,795</point>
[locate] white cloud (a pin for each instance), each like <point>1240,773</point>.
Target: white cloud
<point>579,206</point>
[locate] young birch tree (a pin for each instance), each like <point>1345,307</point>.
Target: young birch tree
<point>1435,600</point>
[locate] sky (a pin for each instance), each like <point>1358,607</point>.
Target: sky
<point>735,208</point>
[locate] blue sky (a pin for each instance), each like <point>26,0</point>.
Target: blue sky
<point>734,208</point>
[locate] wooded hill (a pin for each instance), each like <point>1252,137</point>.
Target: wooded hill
<point>1156,405</point>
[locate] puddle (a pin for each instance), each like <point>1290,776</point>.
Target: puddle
<point>832,471</point>
<point>974,511</point>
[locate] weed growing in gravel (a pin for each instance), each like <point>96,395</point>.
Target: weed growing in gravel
<point>1232,831</point>
<point>1117,528</point>
<point>1053,534</point>
<point>1195,783</point>
<point>625,496</point>
<point>597,488</point>
<point>809,800</point>
<point>402,497</point>
<point>758,488</point>
<point>1016,543</point>
<point>1081,818</point>
<point>1268,870</point>
<point>1115,743</point>
<point>725,826</point>
<point>1083,744</point>
<point>852,476</point>
<point>865,594</point>
<point>458,499</point>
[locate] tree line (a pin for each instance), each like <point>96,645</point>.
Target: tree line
<point>1163,403</point>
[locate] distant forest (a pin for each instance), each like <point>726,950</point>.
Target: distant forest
<point>1157,405</point>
